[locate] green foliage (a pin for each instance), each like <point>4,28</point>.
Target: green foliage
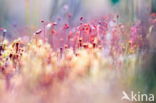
<point>115,1</point>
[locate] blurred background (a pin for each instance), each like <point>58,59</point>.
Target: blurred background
<point>20,15</point>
